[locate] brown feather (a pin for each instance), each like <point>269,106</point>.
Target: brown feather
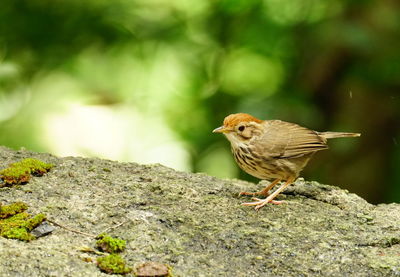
<point>234,119</point>
<point>329,135</point>
<point>288,140</point>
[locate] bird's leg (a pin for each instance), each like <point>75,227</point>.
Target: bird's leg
<point>264,192</point>
<point>259,203</point>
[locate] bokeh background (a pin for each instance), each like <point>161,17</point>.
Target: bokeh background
<point>148,80</point>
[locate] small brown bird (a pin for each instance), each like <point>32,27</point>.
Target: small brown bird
<point>273,150</point>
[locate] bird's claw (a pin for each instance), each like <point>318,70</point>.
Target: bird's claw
<point>256,199</point>
<point>259,203</point>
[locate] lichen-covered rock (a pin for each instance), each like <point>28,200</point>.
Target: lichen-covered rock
<point>195,224</point>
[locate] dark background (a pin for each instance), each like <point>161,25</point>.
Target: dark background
<point>183,66</point>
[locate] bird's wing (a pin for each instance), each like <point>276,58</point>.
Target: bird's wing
<point>288,140</point>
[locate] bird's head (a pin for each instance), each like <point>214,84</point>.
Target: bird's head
<point>240,127</point>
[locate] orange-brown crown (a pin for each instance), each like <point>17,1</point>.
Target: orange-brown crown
<point>234,119</point>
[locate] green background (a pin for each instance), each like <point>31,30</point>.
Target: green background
<point>148,80</point>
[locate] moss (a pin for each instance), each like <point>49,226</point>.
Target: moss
<point>15,175</point>
<point>113,264</point>
<point>19,172</point>
<point>36,167</point>
<point>33,222</point>
<point>19,224</point>
<point>12,209</point>
<point>13,221</point>
<point>109,244</point>
<point>18,233</point>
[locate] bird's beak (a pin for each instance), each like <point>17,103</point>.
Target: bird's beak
<point>221,129</point>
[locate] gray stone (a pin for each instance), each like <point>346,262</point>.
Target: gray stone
<point>42,230</point>
<point>195,224</point>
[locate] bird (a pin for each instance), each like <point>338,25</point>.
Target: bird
<point>272,150</point>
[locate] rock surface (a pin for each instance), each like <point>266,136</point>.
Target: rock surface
<point>195,224</point>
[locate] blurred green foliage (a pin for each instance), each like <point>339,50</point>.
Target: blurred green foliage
<point>328,65</point>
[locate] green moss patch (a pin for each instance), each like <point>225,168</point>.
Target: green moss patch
<point>35,167</point>
<point>15,223</point>
<point>14,175</point>
<point>12,209</point>
<point>113,264</point>
<point>20,172</point>
<point>109,244</point>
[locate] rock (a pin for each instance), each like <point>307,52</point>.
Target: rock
<point>42,230</point>
<point>195,224</point>
<point>152,269</point>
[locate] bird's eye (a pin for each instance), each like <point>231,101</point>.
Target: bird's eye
<point>241,128</point>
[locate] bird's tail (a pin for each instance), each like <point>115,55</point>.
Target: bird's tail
<point>329,135</point>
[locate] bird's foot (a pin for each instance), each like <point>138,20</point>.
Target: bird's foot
<point>259,203</point>
<point>264,192</point>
